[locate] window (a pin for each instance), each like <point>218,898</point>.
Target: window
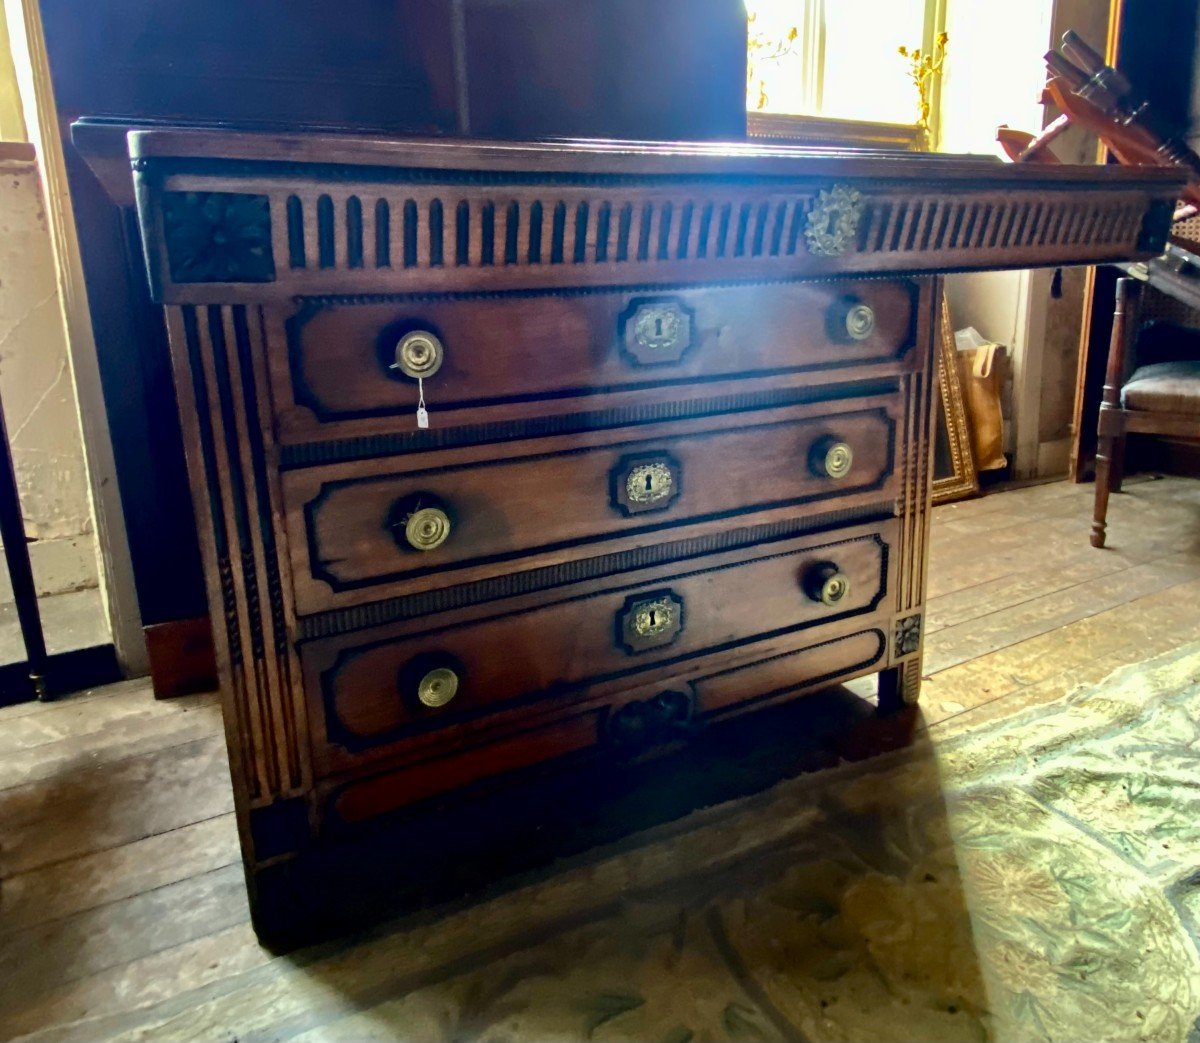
<point>838,58</point>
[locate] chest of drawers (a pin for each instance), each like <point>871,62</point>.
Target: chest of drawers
<point>677,458</point>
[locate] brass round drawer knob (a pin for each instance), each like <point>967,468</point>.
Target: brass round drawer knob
<point>827,584</point>
<point>419,354</point>
<point>437,687</point>
<point>420,521</point>
<point>860,321</point>
<point>831,458</point>
<point>427,528</point>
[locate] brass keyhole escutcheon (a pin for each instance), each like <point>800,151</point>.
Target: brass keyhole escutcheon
<point>833,221</point>
<point>827,584</point>
<point>655,617</point>
<point>658,327</point>
<point>649,483</point>
<point>437,687</point>
<point>655,330</point>
<point>650,621</point>
<point>419,355</point>
<point>831,458</point>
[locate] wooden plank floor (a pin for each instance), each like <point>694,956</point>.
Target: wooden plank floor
<point>120,884</point>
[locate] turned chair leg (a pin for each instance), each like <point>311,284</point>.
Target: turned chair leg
<point>1116,463</point>
<point>1104,471</point>
<point>1110,449</point>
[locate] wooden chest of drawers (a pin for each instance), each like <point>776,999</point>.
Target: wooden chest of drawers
<point>677,457</point>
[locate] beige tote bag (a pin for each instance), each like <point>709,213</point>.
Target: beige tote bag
<point>981,373</point>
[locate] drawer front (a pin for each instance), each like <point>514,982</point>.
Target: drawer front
<point>367,530</point>
<point>634,721</point>
<point>489,357</point>
<point>372,692</point>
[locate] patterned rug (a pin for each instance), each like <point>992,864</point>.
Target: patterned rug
<point>1037,878</point>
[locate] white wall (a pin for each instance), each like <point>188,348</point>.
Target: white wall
<point>29,68</point>
<point>38,392</point>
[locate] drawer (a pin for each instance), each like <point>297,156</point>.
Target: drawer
<point>422,683</point>
<point>370,529</point>
<point>635,720</point>
<point>493,357</point>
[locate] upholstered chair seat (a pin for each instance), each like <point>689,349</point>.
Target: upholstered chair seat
<point>1164,387</point>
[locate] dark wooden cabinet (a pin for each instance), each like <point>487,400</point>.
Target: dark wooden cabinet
<point>677,456</point>
<point>623,68</point>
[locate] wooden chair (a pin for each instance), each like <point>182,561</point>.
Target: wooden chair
<point>1150,397</point>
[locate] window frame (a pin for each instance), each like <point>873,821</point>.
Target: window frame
<point>826,130</point>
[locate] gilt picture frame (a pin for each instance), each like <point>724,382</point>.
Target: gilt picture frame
<point>955,476</point>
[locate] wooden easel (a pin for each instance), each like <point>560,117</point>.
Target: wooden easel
<point>1096,96</point>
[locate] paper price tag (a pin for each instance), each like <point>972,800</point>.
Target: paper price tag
<point>422,412</point>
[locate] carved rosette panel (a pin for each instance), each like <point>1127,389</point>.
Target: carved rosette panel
<point>218,237</point>
<point>220,379</point>
<point>907,638</point>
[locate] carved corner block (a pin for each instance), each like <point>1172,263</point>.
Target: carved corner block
<point>218,237</point>
<point>907,638</point>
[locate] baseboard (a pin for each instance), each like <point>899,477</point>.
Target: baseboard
<point>182,658</point>
<point>59,566</point>
<point>66,672</point>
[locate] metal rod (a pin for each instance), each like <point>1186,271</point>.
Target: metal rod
<point>20,570</point>
<point>1073,77</point>
<point>1076,48</point>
